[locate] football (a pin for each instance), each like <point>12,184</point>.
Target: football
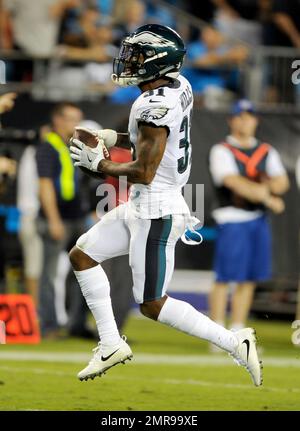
<point>89,138</point>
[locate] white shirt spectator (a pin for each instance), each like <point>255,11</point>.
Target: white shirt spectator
<point>28,184</point>
<point>34,30</point>
<point>222,163</point>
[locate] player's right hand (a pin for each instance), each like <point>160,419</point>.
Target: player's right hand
<point>85,156</point>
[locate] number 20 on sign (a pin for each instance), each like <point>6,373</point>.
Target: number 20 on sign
<point>18,320</point>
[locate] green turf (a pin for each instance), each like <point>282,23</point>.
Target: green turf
<point>53,385</point>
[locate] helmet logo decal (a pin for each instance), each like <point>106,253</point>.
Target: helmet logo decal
<point>160,55</point>
<point>149,38</point>
<point>154,113</point>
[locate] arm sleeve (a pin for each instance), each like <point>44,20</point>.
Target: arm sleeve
<point>274,165</point>
<point>221,164</point>
<point>45,158</point>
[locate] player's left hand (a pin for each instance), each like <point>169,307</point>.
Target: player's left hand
<point>85,156</point>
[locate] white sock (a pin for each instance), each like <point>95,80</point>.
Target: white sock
<point>95,288</point>
<point>182,316</point>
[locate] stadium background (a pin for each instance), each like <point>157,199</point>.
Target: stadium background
<point>44,85</point>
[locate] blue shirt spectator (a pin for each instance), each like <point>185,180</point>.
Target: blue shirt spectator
<point>201,79</point>
<point>213,60</point>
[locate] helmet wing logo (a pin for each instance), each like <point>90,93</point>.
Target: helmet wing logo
<point>149,38</point>
<point>154,113</point>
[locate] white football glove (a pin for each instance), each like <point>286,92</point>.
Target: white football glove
<point>109,137</point>
<point>85,156</point>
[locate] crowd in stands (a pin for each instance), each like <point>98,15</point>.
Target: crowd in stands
<point>84,35</point>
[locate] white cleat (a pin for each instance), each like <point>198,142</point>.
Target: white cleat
<point>99,364</point>
<point>245,354</point>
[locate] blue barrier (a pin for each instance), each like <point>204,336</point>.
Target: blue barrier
<point>12,218</point>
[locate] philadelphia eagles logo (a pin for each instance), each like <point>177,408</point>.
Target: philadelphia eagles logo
<point>149,38</point>
<point>154,113</point>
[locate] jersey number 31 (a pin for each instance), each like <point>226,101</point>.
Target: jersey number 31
<point>184,161</point>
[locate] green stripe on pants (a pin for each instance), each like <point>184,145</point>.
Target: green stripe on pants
<point>155,265</point>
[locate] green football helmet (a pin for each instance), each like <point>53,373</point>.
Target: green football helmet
<point>150,52</point>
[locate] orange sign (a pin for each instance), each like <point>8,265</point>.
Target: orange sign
<point>17,311</point>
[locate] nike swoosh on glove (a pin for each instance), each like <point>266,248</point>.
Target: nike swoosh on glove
<point>85,156</point>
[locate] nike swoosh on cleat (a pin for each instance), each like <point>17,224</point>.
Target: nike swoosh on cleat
<point>153,101</point>
<point>109,356</point>
<point>248,347</point>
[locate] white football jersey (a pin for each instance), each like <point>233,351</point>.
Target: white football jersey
<point>171,107</point>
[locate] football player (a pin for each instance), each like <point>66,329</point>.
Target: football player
<point>156,215</point>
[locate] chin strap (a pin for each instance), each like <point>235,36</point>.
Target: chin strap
<point>131,81</point>
<point>124,82</point>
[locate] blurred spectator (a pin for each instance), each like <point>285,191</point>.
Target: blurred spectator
<point>28,204</point>
<point>105,6</point>
<point>5,29</point>
<point>239,19</point>
<point>7,165</point>
<point>34,25</point>
<point>31,27</point>
<point>159,14</point>
<point>283,26</point>
<point>215,61</point>
<point>91,42</point>
<point>91,39</point>
<point>249,179</point>
<point>129,15</point>
<point>61,217</point>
